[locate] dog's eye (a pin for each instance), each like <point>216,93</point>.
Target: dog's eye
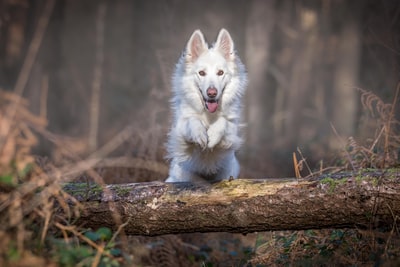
<point>220,73</point>
<point>202,73</point>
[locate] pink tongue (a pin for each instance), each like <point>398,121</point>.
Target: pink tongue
<point>212,106</point>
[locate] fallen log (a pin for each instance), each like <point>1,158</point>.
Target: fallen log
<point>367,199</point>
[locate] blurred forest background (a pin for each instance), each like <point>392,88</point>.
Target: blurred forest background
<point>104,65</point>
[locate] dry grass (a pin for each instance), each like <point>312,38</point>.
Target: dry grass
<point>380,150</point>
<point>35,212</point>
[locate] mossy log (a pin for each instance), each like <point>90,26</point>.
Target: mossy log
<point>366,199</point>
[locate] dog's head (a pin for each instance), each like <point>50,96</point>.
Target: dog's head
<point>210,68</point>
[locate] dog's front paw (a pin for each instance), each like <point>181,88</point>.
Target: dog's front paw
<point>214,137</point>
<point>194,132</point>
<point>225,144</point>
<point>230,142</point>
<point>200,138</point>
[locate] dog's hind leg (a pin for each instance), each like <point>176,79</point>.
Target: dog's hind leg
<point>178,174</point>
<point>230,169</point>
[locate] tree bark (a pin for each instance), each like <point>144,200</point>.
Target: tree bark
<point>364,199</point>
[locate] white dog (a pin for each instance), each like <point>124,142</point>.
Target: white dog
<point>208,85</point>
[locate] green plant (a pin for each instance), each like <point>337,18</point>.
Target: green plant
<point>91,248</point>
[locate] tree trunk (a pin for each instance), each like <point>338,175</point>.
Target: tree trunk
<point>368,199</point>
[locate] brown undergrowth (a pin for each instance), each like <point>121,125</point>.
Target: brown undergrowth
<point>379,149</point>
<point>382,148</point>
<point>36,225</point>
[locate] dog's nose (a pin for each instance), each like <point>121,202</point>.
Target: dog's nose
<point>212,92</point>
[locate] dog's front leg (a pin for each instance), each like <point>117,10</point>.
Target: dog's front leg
<point>194,131</point>
<point>216,132</point>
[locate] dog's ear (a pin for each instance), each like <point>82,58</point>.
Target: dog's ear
<point>196,46</point>
<point>225,45</point>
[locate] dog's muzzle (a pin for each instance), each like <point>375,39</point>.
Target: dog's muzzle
<point>211,102</point>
